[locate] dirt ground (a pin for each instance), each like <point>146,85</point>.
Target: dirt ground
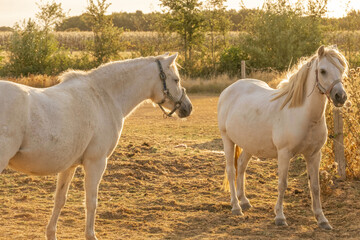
<point>164,182</point>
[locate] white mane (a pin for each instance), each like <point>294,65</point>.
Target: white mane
<point>122,66</point>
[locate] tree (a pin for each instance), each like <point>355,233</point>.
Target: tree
<point>217,23</point>
<point>76,22</point>
<point>33,50</point>
<point>185,18</point>
<point>282,33</point>
<point>50,14</point>
<point>106,35</point>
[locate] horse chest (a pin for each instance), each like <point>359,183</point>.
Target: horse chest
<point>314,138</point>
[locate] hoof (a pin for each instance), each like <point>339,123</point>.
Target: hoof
<point>91,237</point>
<point>245,206</point>
<point>325,225</point>
<point>237,212</point>
<point>280,222</point>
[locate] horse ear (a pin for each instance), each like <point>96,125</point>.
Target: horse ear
<point>172,58</point>
<point>321,51</point>
<point>163,55</point>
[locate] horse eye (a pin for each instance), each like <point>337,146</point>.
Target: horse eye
<point>176,80</point>
<point>322,71</point>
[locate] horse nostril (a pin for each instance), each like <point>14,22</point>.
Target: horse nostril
<point>190,108</point>
<point>337,97</point>
<point>340,98</point>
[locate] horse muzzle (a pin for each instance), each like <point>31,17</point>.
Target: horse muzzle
<point>185,108</point>
<point>338,96</point>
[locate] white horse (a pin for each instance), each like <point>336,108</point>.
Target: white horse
<point>281,123</point>
<point>79,122</point>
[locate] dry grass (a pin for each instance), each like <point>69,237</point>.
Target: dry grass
<point>163,182</point>
<point>39,81</point>
<point>216,84</point>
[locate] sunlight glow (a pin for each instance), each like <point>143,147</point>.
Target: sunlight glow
<point>15,11</point>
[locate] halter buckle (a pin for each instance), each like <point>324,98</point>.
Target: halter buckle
<point>162,75</point>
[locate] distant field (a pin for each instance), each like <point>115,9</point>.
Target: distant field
<point>132,41</point>
<point>163,182</point>
<point>136,44</point>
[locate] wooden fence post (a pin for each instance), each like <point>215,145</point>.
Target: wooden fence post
<point>243,73</point>
<point>339,142</point>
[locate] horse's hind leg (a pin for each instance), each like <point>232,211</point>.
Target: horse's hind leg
<point>312,164</point>
<point>62,186</point>
<point>240,181</point>
<point>231,173</point>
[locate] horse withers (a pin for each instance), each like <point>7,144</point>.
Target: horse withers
<point>79,122</point>
<point>281,123</point>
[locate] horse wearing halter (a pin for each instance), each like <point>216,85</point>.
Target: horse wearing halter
<point>323,90</point>
<point>167,93</point>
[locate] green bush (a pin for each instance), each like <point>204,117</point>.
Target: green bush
<point>230,60</point>
<point>35,51</point>
<point>31,50</point>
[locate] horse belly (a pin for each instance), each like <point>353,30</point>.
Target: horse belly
<point>257,145</point>
<point>42,163</point>
<point>253,133</point>
<point>49,154</point>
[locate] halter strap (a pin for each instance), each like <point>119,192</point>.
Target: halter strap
<point>323,90</point>
<point>167,93</point>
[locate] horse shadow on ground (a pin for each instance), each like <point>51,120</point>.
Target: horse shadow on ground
<point>214,145</point>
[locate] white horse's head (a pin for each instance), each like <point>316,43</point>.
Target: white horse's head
<point>168,92</point>
<point>331,68</point>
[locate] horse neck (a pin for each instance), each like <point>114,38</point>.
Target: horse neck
<point>315,102</point>
<point>127,85</point>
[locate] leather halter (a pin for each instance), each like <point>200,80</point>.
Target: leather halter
<point>167,93</point>
<point>323,90</point>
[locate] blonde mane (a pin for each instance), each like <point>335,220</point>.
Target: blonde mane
<point>294,86</point>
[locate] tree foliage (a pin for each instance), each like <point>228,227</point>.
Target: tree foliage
<point>106,36</point>
<point>50,14</point>
<point>282,33</point>
<point>34,50</point>
<point>30,50</point>
<point>217,24</point>
<point>184,17</point>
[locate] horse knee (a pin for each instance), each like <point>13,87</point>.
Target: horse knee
<point>231,172</point>
<point>282,186</point>
<point>91,204</point>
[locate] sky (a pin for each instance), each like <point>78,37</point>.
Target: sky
<point>12,11</point>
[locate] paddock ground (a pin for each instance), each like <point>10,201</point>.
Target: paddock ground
<point>164,182</point>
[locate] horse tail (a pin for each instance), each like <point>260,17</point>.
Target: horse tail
<point>237,152</point>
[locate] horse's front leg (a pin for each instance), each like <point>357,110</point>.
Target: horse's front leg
<point>313,164</point>
<point>62,186</point>
<point>94,170</point>
<point>283,167</point>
